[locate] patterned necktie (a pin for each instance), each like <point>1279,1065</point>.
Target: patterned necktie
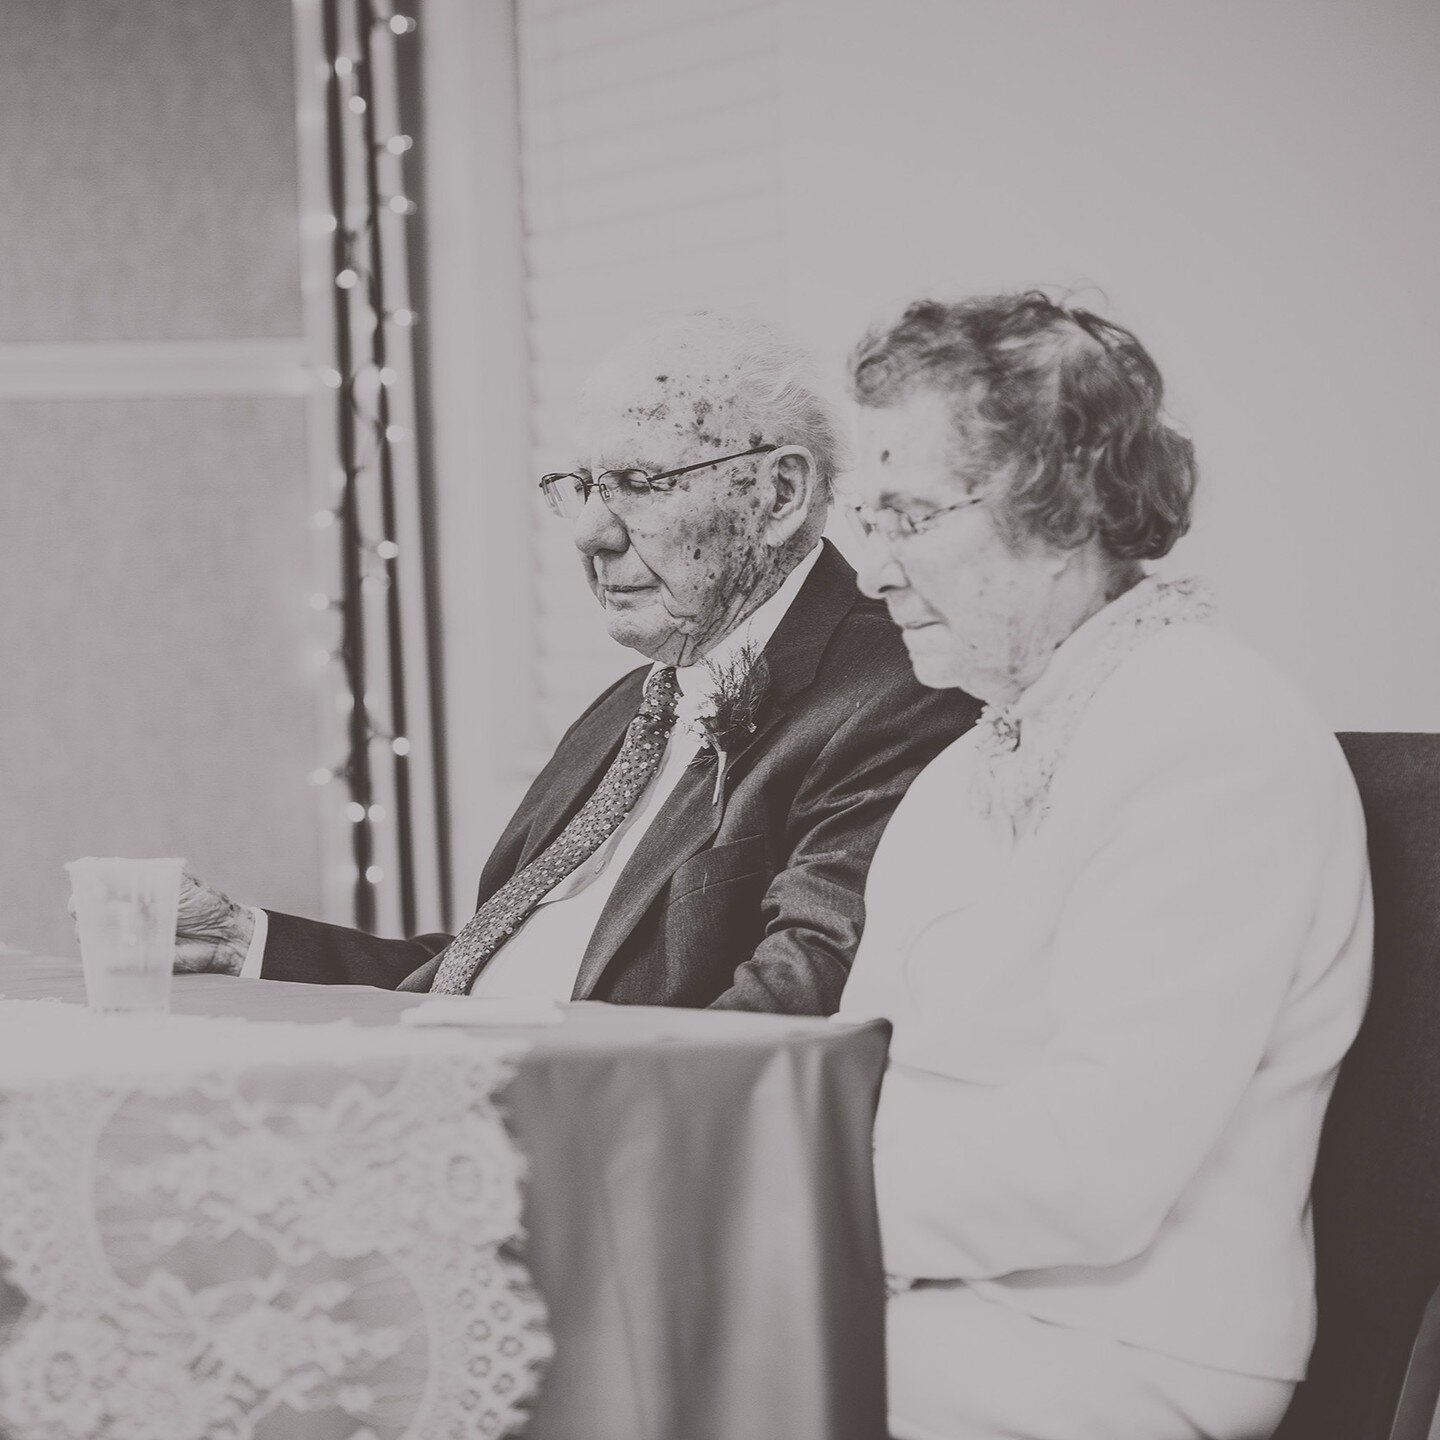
<point>592,825</point>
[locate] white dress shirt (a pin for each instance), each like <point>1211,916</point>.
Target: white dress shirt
<point>542,958</point>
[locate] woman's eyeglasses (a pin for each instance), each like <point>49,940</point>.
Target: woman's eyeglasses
<point>892,525</point>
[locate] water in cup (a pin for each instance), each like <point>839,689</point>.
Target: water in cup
<point>125,913</point>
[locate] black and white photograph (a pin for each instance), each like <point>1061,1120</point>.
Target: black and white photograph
<point>721,720</point>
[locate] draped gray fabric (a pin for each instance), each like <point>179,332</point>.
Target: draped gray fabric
<point>700,1208</point>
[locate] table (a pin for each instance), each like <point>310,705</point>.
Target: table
<point>700,1208</point>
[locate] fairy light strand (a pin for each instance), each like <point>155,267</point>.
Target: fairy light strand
<point>369,21</point>
<point>365,435</point>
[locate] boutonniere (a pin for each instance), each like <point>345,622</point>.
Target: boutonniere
<point>737,686</point>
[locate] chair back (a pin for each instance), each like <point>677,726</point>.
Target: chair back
<point>1377,1183</point>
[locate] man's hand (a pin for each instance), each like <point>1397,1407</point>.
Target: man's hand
<point>212,932</point>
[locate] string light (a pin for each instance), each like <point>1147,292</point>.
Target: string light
<point>366,182</point>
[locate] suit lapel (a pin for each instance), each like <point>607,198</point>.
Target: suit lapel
<point>571,777</point>
<point>689,819</point>
<point>793,655</point>
<point>826,598</point>
<point>686,823</point>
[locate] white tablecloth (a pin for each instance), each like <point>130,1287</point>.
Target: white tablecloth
<point>228,1228</point>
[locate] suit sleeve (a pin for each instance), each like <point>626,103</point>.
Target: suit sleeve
<point>1176,946</point>
<point>814,908</point>
<point>320,954</point>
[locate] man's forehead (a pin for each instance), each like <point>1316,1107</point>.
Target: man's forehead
<point>627,435</point>
<point>657,415</point>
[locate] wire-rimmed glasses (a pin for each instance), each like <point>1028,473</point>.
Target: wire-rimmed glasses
<point>892,525</point>
<point>567,491</point>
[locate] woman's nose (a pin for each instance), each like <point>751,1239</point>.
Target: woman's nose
<point>879,570</point>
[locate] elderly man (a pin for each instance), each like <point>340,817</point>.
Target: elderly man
<point>702,834</point>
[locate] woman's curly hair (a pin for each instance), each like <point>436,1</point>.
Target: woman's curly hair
<point>1058,407</point>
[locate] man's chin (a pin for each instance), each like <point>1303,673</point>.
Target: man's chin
<point>655,641</point>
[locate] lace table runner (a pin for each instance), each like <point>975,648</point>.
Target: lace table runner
<point>229,1229</point>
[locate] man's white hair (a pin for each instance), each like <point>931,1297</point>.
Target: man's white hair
<point>769,384</point>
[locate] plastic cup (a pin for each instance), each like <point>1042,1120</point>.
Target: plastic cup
<point>125,913</point>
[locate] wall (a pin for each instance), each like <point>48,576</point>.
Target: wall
<point>591,164</point>
<point>1252,187</point>
<point>480,432</point>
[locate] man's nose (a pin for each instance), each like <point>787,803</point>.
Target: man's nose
<point>879,570</point>
<point>598,528</point>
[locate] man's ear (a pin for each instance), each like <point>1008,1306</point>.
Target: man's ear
<point>793,485</point>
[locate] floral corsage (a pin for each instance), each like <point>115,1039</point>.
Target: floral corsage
<point>737,687</point>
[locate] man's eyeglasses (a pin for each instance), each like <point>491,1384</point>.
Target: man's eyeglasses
<point>893,525</point>
<point>567,491</point>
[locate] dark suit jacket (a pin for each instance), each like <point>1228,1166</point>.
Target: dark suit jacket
<point>754,903</point>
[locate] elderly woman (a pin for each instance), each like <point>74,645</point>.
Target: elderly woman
<point>1122,928</point>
